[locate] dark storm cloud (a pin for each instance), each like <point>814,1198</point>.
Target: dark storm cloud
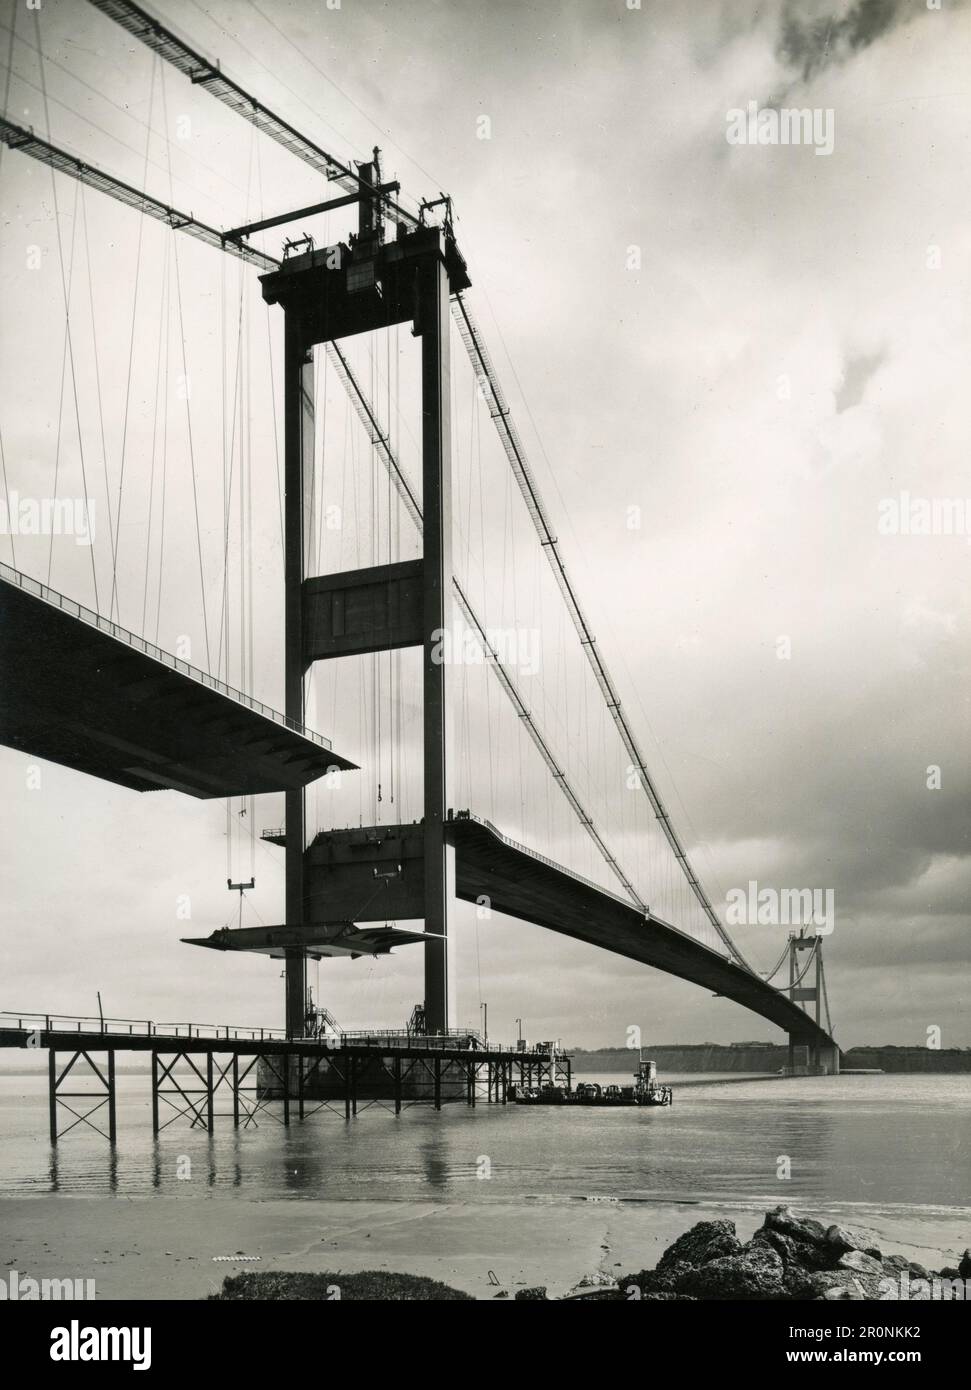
<point>858,372</point>
<point>811,43</point>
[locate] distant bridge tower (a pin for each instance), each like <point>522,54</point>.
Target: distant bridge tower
<point>807,986</point>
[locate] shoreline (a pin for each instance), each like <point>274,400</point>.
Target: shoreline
<point>159,1247</point>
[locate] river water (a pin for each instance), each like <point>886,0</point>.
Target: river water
<point>893,1144</point>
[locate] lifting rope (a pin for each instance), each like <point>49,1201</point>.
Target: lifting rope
<point>114,604</point>
<point>187,393</point>
<point>68,335</point>
<point>3,456</point>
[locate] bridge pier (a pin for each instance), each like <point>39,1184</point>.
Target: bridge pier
<point>811,1057</point>
<point>103,1094</point>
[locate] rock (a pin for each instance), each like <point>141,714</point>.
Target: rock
<point>846,1283</point>
<point>536,1295</point>
<point>859,1263</point>
<point>789,1257</point>
<point>844,1240</point>
<point>797,1283</point>
<point>651,1281</point>
<point>796,1254</point>
<point>755,1273</point>
<point>785,1220</point>
<point>896,1264</point>
<point>708,1240</point>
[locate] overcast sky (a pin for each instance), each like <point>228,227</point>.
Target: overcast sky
<point>755,345</point>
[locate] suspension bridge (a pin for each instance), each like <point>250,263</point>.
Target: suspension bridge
<point>428,609</point>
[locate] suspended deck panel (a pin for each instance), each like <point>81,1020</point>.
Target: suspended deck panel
<point>377,872</point>
<point>316,940</point>
<point>525,885</point>
<point>78,690</point>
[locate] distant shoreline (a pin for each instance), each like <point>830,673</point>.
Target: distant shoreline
<point>767,1058</point>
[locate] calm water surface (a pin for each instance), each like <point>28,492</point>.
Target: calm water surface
<point>881,1142</point>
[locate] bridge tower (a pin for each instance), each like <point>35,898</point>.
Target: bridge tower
<point>814,994</point>
<point>328,294</point>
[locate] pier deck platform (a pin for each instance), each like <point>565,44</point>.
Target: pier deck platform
<point>192,1064</point>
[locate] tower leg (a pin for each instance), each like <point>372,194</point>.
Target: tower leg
<point>437,577</point>
<point>298,484</point>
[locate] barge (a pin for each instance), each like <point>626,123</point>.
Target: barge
<point>646,1090</point>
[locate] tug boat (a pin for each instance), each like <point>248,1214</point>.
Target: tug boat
<point>646,1090</point>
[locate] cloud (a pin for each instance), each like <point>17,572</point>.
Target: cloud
<point>857,373</point>
<point>811,39</point>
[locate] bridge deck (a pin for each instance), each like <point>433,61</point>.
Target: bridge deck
<point>524,885</point>
<point>81,691</point>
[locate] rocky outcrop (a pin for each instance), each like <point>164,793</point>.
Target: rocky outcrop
<point>842,1239</point>
<point>709,1240</point>
<point>789,1257</point>
<point>756,1272</point>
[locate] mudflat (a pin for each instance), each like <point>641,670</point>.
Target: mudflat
<point>177,1247</point>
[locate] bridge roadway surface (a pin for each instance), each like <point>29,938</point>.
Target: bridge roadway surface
<point>525,885</point>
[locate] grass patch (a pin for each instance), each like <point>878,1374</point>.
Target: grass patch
<point>371,1285</point>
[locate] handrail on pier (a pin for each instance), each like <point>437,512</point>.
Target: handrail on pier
<point>134,1027</point>
<point>469,1038</point>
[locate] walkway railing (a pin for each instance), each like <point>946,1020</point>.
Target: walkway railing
<point>133,1027</point>
<point>130,639</point>
<point>544,859</point>
<point>462,1038</point>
